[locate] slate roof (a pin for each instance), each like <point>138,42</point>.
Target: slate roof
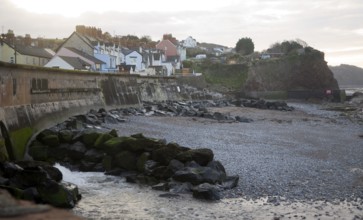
<point>76,62</point>
<point>85,55</point>
<point>33,51</point>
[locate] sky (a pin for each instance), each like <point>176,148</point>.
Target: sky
<point>332,26</point>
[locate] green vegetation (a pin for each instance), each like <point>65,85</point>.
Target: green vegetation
<point>3,152</point>
<point>231,77</point>
<point>20,139</point>
<point>245,46</point>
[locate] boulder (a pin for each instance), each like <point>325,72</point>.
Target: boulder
<point>165,154</point>
<point>76,151</point>
<point>126,160</point>
<point>52,172</point>
<point>117,144</point>
<point>64,195</point>
<point>181,188</point>
<point>150,165</point>
<point>51,140</point>
<point>113,133</point>
<point>175,165</point>
<point>102,138</point>
<point>148,144</point>
<point>65,136</point>
<point>206,191</point>
<point>38,151</point>
<point>93,155</point>
<point>230,182</point>
<point>217,166</point>
<point>107,162</point>
<point>199,175</point>
<point>141,161</point>
<point>44,133</point>
<point>202,156</point>
<point>243,119</point>
<point>89,137</point>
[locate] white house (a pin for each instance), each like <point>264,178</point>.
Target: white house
<point>133,59</point>
<point>189,42</point>
<point>68,63</point>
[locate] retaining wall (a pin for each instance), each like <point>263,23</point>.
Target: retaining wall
<point>33,98</point>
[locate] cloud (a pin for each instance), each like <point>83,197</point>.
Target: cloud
<point>332,24</point>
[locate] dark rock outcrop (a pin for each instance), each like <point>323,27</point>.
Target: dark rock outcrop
<point>165,166</point>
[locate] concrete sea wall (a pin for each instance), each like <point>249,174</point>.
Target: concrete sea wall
<point>33,98</point>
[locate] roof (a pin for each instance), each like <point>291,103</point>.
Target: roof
<point>85,55</point>
<point>33,51</point>
<point>76,62</point>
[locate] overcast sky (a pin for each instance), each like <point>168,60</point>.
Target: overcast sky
<point>332,26</point>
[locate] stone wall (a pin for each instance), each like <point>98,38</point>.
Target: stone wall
<point>32,98</point>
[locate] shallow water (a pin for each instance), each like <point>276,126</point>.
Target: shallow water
<point>107,197</point>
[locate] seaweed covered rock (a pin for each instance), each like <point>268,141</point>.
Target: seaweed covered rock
<point>39,182</point>
<point>139,159</point>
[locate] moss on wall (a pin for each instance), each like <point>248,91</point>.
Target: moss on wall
<point>3,153</point>
<point>20,139</point>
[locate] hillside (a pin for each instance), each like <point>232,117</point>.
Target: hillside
<point>291,73</point>
<point>348,75</point>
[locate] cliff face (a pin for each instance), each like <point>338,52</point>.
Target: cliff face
<point>298,72</point>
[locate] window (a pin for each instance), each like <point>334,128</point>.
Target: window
<point>14,86</point>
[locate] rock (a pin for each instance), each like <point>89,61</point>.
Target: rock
<point>107,162</point>
<point>51,140</point>
<point>89,137</point>
<point>86,166</point>
<point>29,177</point>
<point>243,119</point>
<point>217,166</point>
<point>175,165</point>
<point>141,161</point>
<point>76,151</point>
<point>206,191</point>
<point>44,133</point>
<point>150,165</point>
<point>161,186</point>
<point>65,136</point>
<point>202,156</point>
<point>38,151</point>
<point>101,139</point>
<point>161,172</point>
<point>126,160</point>
<point>219,116</point>
<point>165,154</point>
<point>113,133</point>
<point>63,195</point>
<point>9,169</point>
<point>230,182</point>
<point>93,155</point>
<point>59,153</point>
<point>192,164</point>
<point>180,188</point>
<point>4,181</point>
<point>52,172</point>
<point>117,144</point>
<point>199,175</point>
<point>148,144</point>
<point>111,119</point>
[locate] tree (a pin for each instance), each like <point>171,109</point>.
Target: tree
<point>245,46</point>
